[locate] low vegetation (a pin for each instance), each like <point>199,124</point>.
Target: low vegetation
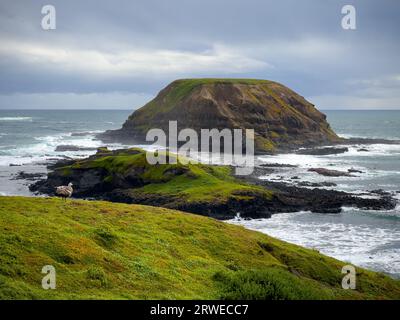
<point>103,250</point>
<point>193,182</point>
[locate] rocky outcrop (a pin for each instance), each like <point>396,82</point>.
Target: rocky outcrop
<point>281,118</point>
<point>316,184</point>
<point>21,175</point>
<point>330,173</point>
<point>322,151</point>
<point>125,176</point>
<point>70,147</point>
<point>291,198</point>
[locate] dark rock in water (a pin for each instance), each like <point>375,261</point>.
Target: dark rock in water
<point>293,198</point>
<point>322,151</point>
<point>330,173</point>
<point>328,210</point>
<point>21,175</point>
<point>262,171</point>
<point>295,178</point>
<point>363,150</point>
<point>60,163</point>
<point>354,171</point>
<point>281,118</point>
<point>381,192</point>
<point>80,134</point>
<point>364,141</point>
<point>278,165</point>
<point>58,158</point>
<point>316,184</point>
<point>68,147</point>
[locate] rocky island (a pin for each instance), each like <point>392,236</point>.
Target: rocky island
<point>281,118</point>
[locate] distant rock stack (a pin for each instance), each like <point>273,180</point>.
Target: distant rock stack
<point>281,119</point>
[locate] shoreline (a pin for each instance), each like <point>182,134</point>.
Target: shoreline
<point>288,197</point>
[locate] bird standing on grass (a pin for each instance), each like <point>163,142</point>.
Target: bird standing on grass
<point>64,191</point>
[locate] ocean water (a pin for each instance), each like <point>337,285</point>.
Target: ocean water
<point>371,239</point>
<point>366,238</point>
<point>28,138</point>
<point>31,136</point>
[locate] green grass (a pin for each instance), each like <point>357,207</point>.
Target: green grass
<point>204,183</point>
<point>191,182</point>
<point>180,89</point>
<point>104,250</point>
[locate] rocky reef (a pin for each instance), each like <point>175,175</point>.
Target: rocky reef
<point>126,176</point>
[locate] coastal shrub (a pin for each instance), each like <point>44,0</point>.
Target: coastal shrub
<point>268,284</point>
<point>64,258</point>
<point>105,237</point>
<point>97,276</point>
<point>13,291</point>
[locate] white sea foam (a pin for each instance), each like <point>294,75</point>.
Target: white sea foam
<point>363,244</point>
<point>353,159</point>
<point>349,136</point>
<point>46,146</point>
<point>373,150</point>
<point>394,213</point>
<point>15,118</point>
<point>339,160</point>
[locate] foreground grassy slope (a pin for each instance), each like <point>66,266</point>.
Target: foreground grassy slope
<point>117,251</point>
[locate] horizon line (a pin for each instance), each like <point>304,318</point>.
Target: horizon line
<point>133,109</point>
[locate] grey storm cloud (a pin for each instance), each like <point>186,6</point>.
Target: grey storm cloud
<point>120,53</point>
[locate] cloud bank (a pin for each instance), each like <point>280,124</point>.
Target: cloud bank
<point>120,54</point>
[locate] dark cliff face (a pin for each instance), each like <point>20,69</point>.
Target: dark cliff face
<point>281,118</point>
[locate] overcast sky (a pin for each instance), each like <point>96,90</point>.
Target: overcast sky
<point>119,54</point>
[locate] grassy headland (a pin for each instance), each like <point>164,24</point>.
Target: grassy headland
<point>126,176</point>
<point>105,250</point>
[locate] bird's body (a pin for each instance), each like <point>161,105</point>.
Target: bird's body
<point>64,191</point>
